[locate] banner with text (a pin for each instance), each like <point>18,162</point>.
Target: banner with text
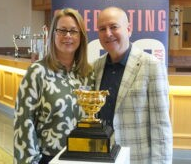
<point>149,22</point>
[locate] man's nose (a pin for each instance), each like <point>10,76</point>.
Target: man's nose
<point>108,31</point>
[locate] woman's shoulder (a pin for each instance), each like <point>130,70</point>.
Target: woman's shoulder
<point>39,64</point>
<point>38,67</point>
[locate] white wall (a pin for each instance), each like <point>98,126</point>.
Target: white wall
<point>14,14</point>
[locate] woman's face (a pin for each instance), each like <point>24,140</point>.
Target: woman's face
<point>67,36</point>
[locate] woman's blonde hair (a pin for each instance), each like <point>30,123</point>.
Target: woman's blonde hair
<point>82,66</point>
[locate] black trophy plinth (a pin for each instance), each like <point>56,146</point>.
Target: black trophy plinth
<point>91,141</point>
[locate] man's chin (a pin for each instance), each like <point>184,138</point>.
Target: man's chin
<point>110,48</point>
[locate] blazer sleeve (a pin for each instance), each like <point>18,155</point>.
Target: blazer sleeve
<point>161,130</point>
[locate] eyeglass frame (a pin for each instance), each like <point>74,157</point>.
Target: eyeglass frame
<point>64,32</point>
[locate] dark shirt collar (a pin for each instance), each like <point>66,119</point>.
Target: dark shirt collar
<point>123,61</point>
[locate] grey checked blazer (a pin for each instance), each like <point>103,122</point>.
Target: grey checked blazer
<point>141,119</point>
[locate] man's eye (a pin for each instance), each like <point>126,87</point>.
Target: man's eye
<point>114,27</point>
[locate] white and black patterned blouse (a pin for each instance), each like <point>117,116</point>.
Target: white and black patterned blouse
<point>46,111</point>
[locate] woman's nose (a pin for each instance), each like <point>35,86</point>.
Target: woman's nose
<point>68,34</point>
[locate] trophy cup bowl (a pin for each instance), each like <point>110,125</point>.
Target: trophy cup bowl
<point>91,102</point>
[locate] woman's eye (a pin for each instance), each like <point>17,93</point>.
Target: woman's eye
<point>102,29</point>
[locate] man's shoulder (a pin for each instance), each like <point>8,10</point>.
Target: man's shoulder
<point>142,55</point>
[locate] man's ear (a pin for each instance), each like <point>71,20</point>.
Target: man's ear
<point>129,30</point>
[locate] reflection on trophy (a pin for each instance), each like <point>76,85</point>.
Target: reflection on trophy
<point>92,139</point>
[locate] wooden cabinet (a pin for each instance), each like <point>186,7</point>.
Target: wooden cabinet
<point>8,91</point>
<point>12,71</point>
<point>9,81</point>
<point>1,86</point>
<point>180,113</point>
<point>180,2</point>
<point>41,4</point>
<point>180,109</point>
<point>18,79</point>
<point>48,18</point>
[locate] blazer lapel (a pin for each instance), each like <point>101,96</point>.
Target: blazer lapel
<point>129,75</point>
<point>99,68</point>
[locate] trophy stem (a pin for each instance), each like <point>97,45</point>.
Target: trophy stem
<point>91,116</point>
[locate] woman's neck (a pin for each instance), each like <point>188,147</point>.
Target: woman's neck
<point>66,61</point>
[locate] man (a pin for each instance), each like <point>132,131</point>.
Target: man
<point>138,105</point>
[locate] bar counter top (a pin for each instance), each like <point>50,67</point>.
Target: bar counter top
<point>175,78</point>
<point>12,61</point>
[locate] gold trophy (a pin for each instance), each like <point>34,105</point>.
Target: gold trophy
<point>92,139</point>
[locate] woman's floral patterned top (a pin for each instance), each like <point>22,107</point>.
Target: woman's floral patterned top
<point>46,111</point>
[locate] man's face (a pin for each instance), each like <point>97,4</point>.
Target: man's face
<point>114,32</point>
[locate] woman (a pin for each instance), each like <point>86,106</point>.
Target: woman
<point>46,108</point>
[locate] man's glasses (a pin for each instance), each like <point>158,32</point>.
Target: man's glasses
<point>64,32</point>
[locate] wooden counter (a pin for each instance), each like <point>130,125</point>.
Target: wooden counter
<point>179,79</point>
<point>11,61</point>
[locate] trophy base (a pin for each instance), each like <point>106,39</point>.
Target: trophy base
<point>90,156</point>
<point>91,124</point>
<point>91,141</point>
